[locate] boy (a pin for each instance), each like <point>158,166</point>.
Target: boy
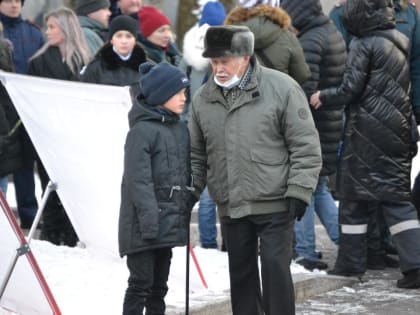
<point>156,186</point>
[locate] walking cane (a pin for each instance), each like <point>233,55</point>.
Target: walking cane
<point>187,272</point>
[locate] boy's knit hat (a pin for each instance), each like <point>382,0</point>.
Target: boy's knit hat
<point>151,19</point>
<point>123,23</point>
<point>84,7</point>
<point>213,13</point>
<point>253,3</point>
<point>160,82</point>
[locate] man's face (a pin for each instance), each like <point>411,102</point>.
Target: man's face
<point>224,68</point>
<point>102,16</point>
<point>129,7</point>
<point>11,8</point>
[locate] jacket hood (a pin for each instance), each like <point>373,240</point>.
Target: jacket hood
<point>305,14</point>
<point>142,112</point>
<point>361,17</point>
<point>113,61</point>
<point>194,46</point>
<point>263,20</point>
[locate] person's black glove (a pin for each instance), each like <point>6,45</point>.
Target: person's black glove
<point>297,206</point>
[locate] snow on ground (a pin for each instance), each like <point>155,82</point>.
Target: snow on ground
<point>82,276</point>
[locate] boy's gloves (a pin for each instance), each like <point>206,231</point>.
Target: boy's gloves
<point>297,206</point>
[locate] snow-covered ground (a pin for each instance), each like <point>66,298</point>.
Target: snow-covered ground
<point>84,277</point>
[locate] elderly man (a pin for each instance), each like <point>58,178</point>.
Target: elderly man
<point>254,143</point>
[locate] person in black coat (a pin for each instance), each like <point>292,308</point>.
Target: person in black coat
<point>62,58</point>
<point>325,53</point>
<point>375,165</point>
<point>10,144</point>
<point>118,61</point>
<point>156,197</point>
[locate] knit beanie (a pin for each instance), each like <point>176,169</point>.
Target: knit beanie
<point>84,7</point>
<point>150,20</point>
<point>123,23</point>
<point>253,3</point>
<point>160,82</point>
<point>213,14</point>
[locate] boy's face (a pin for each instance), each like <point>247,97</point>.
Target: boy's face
<point>176,103</point>
<point>11,8</point>
<point>123,42</point>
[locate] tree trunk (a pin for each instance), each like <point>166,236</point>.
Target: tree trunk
<point>185,19</point>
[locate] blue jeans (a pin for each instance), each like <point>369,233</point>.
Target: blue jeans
<point>207,220</point>
<point>3,184</point>
<point>324,206</point>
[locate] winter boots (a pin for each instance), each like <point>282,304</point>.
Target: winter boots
<point>411,280</point>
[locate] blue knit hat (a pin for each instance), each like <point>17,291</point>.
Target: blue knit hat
<point>160,82</point>
<point>213,14</point>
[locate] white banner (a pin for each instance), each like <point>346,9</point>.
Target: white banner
<point>78,130</point>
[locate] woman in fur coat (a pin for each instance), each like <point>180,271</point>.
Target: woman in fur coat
<point>117,62</point>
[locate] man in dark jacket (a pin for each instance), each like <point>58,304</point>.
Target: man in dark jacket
<point>26,39</point>
<point>375,166</point>
<point>325,53</point>
<point>93,16</point>
<point>254,142</point>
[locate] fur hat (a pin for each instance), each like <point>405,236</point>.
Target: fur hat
<point>229,40</point>
<point>253,3</point>
<point>84,7</point>
<point>150,20</point>
<point>160,82</point>
<point>213,13</point>
<point>123,23</point>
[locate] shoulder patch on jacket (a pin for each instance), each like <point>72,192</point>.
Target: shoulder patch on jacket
<point>303,113</point>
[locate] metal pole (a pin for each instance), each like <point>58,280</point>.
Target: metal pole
<point>50,188</point>
<point>23,249</point>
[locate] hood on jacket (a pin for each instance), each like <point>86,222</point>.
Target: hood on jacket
<point>361,17</point>
<point>141,112</point>
<point>263,21</point>
<point>193,47</point>
<point>304,13</point>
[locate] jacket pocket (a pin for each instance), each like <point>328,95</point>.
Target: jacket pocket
<point>268,174</point>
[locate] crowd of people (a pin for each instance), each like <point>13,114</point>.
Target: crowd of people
<point>269,114</point>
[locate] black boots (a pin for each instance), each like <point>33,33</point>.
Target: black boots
<point>411,280</point>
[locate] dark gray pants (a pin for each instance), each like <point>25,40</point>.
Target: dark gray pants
<point>273,233</point>
<point>147,283</point>
<point>400,217</point>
